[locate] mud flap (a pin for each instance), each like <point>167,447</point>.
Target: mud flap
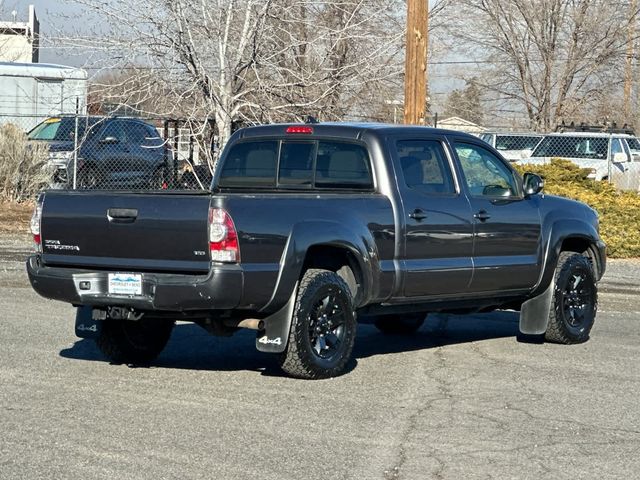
<point>273,339</point>
<point>86,326</point>
<point>534,313</point>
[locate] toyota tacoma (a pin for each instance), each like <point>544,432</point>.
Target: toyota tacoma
<point>308,228</point>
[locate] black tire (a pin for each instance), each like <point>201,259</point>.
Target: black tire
<point>134,342</point>
<point>575,300</point>
<point>323,327</point>
<point>89,179</point>
<point>400,324</point>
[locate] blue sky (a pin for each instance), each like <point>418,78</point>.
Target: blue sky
<point>46,11</point>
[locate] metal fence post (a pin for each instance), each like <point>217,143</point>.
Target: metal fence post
<point>176,145</point>
<point>610,159</point>
<point>75,147</point>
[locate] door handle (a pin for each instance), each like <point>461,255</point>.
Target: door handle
<point>122,215</point>
<point>418,214</point>
<point>482,215</point>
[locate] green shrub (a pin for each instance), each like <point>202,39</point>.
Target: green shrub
<point>23,166</point>
<point>619,211</point>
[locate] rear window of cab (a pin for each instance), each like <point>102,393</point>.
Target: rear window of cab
<point>297,164</point>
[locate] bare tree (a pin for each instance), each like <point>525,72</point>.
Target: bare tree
<point>550,58</point>
<point>244,61</point>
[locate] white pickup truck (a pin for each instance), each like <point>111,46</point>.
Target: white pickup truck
<point>609,156</point>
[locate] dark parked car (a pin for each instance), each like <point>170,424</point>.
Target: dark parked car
<point>112,152</point>
<point>308,228</point>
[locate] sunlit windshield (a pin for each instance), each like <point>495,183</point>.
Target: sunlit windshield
<point>59,129</point>
<point>572,147</point>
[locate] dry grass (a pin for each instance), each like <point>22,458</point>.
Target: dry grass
<point>24,168</point>
<point>14,217</point>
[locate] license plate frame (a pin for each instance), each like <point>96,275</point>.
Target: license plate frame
<point>129,284</point>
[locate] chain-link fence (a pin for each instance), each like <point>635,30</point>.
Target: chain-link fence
<point>133,153</point>
<point>116,152</point>
<point>609,154</point>
<point>513,146</point>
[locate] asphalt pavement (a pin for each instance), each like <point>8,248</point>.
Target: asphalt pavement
<point>461,399</point>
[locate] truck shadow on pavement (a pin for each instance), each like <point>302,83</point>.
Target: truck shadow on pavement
<point>192,348</point>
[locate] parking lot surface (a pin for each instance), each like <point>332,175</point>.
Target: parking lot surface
<point>460,399</point>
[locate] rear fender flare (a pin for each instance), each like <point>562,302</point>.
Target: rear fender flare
<point>354,238</point>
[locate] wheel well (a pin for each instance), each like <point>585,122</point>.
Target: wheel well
<point>583,247</point>
<point>339,260</point>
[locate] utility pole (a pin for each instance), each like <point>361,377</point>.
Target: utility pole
<point>628,71</point>
<point>415,69</point>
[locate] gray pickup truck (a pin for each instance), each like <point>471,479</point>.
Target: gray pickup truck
<point>308,228</point>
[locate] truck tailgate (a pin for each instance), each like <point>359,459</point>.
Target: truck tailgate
<point>164,232</point>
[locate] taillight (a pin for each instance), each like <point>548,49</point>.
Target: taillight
<point>300,129</point>
<point>223,238</point>
<point>36,220</point>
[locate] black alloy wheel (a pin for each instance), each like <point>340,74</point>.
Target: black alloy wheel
<point>323,327</point>
<point>327,323</point>
<point>574,302</point>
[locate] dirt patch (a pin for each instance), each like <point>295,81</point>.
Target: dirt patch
<point>15,217</point>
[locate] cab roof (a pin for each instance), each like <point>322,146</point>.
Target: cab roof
<point>353,130</point>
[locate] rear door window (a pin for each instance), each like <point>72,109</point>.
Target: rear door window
<point>425,167</point>
<point>343,165</point>
<point>250,164</point>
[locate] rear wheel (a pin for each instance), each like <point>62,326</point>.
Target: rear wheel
<point>323,327</point>
<point>400,324</point>
<point>134,342</point>
<point>575,300</point>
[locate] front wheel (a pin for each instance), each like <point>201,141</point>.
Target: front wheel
<point>134,342</point>
<point>323,327</point>
<point>575,300</point>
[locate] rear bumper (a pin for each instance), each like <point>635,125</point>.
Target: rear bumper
<point>220,289</point>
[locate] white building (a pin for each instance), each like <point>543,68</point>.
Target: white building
<point>31,92</point>
<point>460,124</point>
<point>19,41</point>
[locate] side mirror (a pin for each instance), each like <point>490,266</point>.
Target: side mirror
<point>532,183</point>
<point>620,157</point>
<point>109,140</point>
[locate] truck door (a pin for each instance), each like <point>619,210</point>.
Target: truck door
<point>506,252</point>
<point>438,232</point>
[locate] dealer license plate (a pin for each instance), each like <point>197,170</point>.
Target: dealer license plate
<point>125,284</point>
